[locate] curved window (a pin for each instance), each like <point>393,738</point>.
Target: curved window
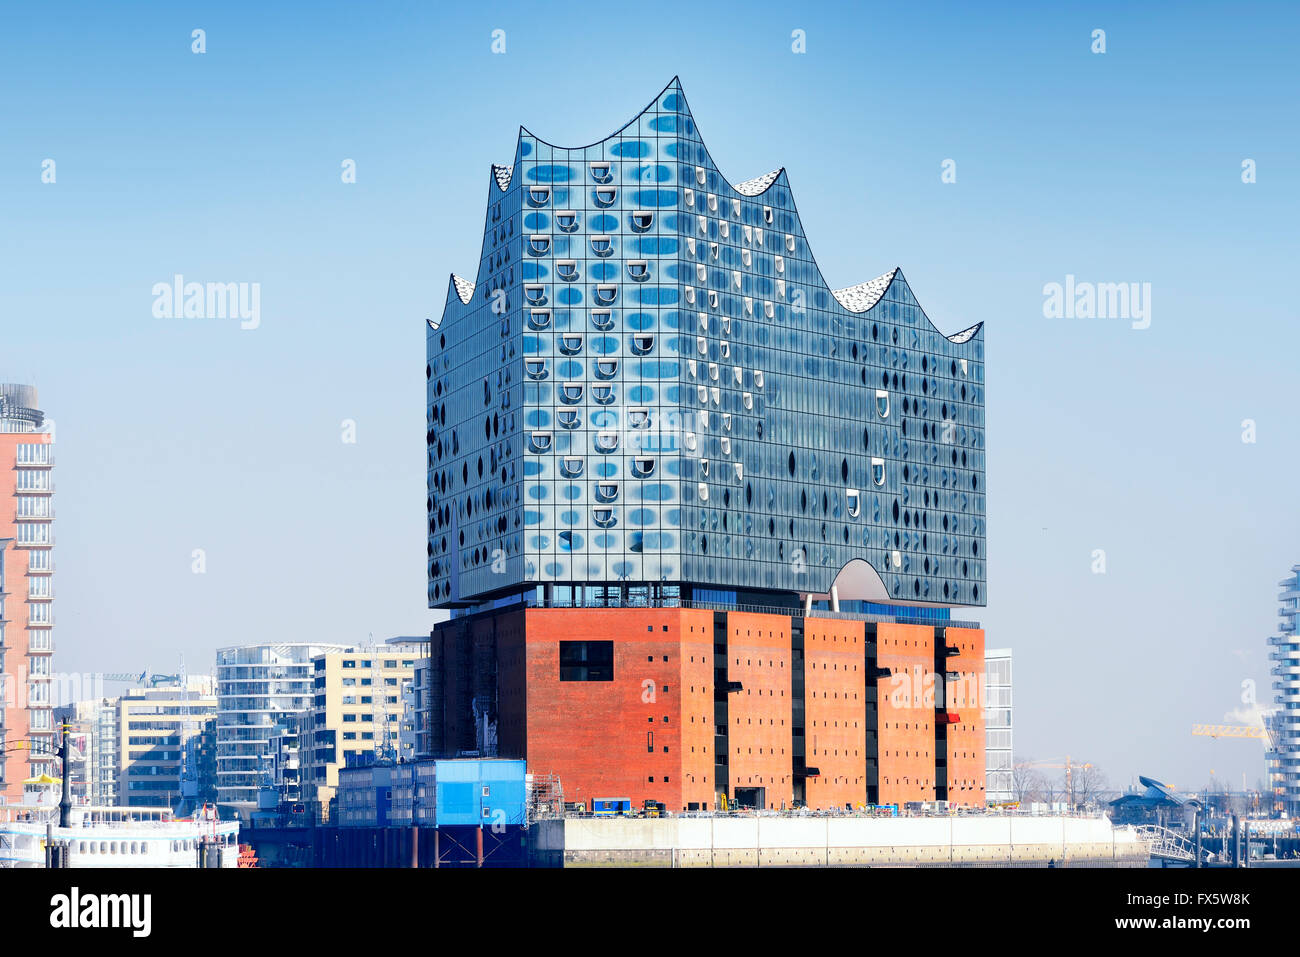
<point>703,392</point>
<point>740,471</point>
<point>699,175</point>
<point>539,195</point>
<point>704,492</point>
<point>789,242</point>
<point>566,221</point>
<point>536,368</point>
<point>638,270</point>
<point>767,214</point>
<point>882,403</point>
<point>724,229</point>
<point>567,270</point>
<point>747,400</point>
<point>571,392</point>
<point>878,471</point>
<point>539,245</point>
<point>713,299</point>
<point>769,309</point>
<point>606,368</point>
<point>713,202</point>
<point>758,378</point>
<point>571,343</point>
<point>601,172</point>
<point>605,295</point>
<point>641,345</point>
<point>713,371</point>
<point>725,443</point>
<point>780,263</point>
<point>602,394</point>
<point>854,501</point>
<point>602,319</point>
<point>539,319</point>
<point>638,418</point>
<point>605,442</point>
<point>535,294</point>
<point>643,467</point>
<point>642,221</point>
<point>690,441</point>
<point>571,466</point>
<point>746,257</point>
<point>568,418</point>
<point>606,491</point>
<point>539,442</point>
<point>606,196</point>
<point>604,517</point>
<point>602,246</point>
<point>690,196</point>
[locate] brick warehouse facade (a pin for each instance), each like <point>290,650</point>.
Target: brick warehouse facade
<point>682,705</point>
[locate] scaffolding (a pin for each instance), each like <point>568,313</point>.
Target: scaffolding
<point>544,799</point>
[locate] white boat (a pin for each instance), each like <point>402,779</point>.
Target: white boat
<point>115,836</point>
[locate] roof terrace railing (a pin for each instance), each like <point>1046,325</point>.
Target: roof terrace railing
<point>794,611</point>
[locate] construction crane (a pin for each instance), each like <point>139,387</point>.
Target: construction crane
<point>1069,767</point>
<point>1259,732</point>
<point>142,680</point>
<point>1233,731</point>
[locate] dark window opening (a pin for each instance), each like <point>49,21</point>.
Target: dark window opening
<point>586,661</point>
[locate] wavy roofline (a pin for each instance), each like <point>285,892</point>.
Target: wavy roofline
<point>779,175</point>
<point>674,82</point>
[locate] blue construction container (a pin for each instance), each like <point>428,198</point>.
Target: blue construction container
<point>480,791</point>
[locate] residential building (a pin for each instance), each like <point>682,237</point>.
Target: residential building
<point>1284,758</point>
<point>155,728</point>
<point>689,507</point>
<point>356,714</point>
<point>99,716</point>
<point>27,739</point>
<point>413,733</point>
<point>259,688</point>
<point>999,786</point>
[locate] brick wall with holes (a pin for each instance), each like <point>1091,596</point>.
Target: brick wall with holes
<point>906,715</point>
<point>835,722</point>
<point>759,737</point>
<point>963,693</point>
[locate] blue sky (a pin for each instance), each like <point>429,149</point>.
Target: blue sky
<point>178,435</point>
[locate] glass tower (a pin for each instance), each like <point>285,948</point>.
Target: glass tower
<point>649,391</point>
<point>1285,723</point>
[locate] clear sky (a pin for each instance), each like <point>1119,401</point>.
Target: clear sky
<point>1124,166</point>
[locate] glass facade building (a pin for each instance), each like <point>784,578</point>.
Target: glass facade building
<point>261,689</point>
<point>648,390</point>
<point>999,784</point>
<point>1285,722</point>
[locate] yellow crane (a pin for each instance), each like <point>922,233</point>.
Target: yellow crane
<point>1068,766</point>
<point>1232,731</point>
<point>1257,732</point>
